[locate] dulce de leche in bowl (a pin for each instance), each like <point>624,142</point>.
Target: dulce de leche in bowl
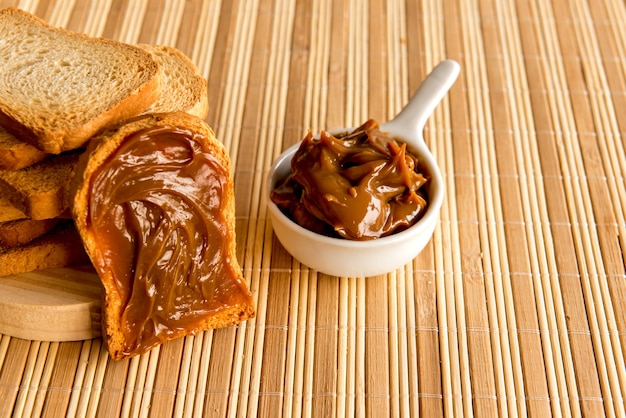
<point>358,185</point>
<point>362,202</point>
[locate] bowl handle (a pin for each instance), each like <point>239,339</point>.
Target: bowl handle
<point>413,116</point>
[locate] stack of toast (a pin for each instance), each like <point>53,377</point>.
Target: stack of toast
<point>71,107</point>
<point>58,90</point>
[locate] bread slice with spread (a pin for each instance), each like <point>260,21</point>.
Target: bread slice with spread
<point>154,205</point>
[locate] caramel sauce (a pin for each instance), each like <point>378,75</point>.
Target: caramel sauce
<point>360,185</point>
<point>155,209</point>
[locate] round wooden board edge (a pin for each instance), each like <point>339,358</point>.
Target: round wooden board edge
<point>53,305</point>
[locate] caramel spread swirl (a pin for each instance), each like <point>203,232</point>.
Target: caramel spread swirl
<point>359,185</point>
<point>155,211</point>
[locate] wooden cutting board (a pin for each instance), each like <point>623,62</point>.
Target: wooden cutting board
<point>51,305</point>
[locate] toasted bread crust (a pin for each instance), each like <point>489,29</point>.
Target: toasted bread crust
<point>42,61</point>
<point>60,247</point>
<point>184,88</point>
<point>16,154</point>
<point>39,191</point>
<point>99,150</point>
<point>8,211</point>
<point>23,231</point>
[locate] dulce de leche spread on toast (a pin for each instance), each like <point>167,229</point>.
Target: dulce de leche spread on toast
<point>359,185</point>
<point>156,211</point>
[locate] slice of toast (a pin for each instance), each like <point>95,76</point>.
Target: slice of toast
<point>15,153</point>
<point>60,247</point>
<point>40,191</point>
<point>8,212</point>
<point>169,266</point>
<point>23,231</point>
<point>184,88</point>
<point>59,88</point>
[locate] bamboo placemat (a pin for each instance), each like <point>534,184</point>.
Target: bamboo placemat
<point>517,306</point>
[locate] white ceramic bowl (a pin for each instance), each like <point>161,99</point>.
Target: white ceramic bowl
<point>349,258</point>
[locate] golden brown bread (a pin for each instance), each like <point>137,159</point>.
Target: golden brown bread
<point>22,231</point>
<point>62,87</point>
<point>58,88</point>
<point>15,153</point>
<point>183,87</point>
<point>58,248</point>
<point>39,191</point>
<point>8,212</point>
<point>96,177</point>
